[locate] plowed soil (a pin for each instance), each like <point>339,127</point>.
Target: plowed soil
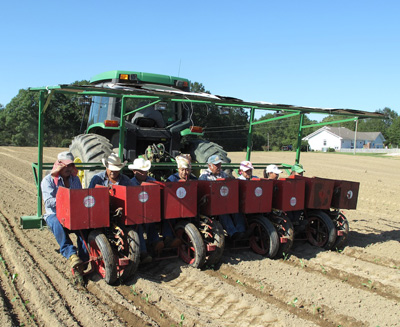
<point>356,286</point>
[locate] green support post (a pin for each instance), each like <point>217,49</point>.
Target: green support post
<point>122,130</point>
<point>299,137</point>
<point>249,135</point>
<point>29,222</point>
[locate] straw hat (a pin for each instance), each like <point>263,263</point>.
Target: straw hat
<point>113,162</point>
<point>140,164</point>
<point>183,161</point>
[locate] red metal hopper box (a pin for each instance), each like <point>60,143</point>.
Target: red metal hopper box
<point>255,196</point>
<point>345,195</point>
<point>319,192</point>
<point>141,204</point>
<point>179,199</point>
<point>218,197</point>
<point>289,194</point>
<point>83,208</point>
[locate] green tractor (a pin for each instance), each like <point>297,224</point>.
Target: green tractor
<point>153,128</point>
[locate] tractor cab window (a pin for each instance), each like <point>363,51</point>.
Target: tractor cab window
<point>98,110</point>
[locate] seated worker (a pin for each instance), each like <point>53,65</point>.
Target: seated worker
<point>184,163</point>
<point>246,171</point>
<point>63,174</point>
<point>297,170</point>
<point>112,175</point>
<point>272,172</point>
<point>214,170</point>
<point>140,169</point>
<point>235,226</point>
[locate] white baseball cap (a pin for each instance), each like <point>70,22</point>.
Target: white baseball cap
<point>273,169</point>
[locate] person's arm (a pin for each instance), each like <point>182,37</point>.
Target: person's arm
<point>49,191</point>
<point>96,180</point>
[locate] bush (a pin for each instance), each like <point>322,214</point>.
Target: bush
<point>331,150</point>
<point>275,148</point>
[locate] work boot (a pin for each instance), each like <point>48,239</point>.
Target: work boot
<point>74,261</point>
<point>172,242</point>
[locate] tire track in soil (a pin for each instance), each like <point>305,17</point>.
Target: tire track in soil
<point>322,316</point>
<point>308,286</point>
<point>206,300</point>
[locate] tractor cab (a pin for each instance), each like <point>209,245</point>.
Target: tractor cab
<point>147,121</point>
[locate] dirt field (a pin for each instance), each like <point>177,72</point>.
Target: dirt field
<point>359,286</point>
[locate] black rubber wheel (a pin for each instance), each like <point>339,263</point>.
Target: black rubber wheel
<point>89,148</point>
<point>132,251</point>
<point>264,238</point>
<point>201,150</point>
<point>285,230</point>
<point>99,247</point>
<point>342,227</point>
<point>192,250</point>
<point>320,230</point>
<point>214,239</point>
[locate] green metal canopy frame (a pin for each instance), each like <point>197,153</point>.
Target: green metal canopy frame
<point>156,95</point>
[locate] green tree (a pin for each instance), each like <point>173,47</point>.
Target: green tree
<point>379,125</point>
<point>225,126</point>
<point>282,132</point>
<point>394,132</point>
<point>61,120</point>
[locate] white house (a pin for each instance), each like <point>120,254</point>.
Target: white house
<point>342,138</point>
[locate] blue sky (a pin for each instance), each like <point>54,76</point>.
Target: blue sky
<point>334,54</point>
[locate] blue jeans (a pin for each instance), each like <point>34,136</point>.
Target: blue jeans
<point>63,240</point>
<point>234,223</point>
<point>152,235</point>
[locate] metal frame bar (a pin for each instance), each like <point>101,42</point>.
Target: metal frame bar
<point>36,221</point>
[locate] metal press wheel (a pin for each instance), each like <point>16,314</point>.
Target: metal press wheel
<point>320,230</point>
<point>192,250</point>
<point>104,263</point>
<point>264,238</point>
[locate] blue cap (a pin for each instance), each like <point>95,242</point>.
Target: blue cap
<point>214,159</point>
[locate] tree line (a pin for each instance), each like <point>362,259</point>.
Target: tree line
<point>65,118</point>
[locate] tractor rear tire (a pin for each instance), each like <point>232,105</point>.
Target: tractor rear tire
<point>264,238</point>
<point>285,230</point>
<point>192,250</point>
<point>89,148</point>
<point>133,253</point>
<point>213,235</point>
<point>99,246</point>
<point>201,150</point>
<point>320,230</point>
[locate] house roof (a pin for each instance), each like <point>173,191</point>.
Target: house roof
<point>346,134</point>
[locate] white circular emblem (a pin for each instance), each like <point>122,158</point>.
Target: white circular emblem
<point>89,201</point>
<point>349,194</point>
<point>293,201</point>
<point>224,190</point>
<point>258,191</point>
<point>181,192</point>
<point>143,197</point>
